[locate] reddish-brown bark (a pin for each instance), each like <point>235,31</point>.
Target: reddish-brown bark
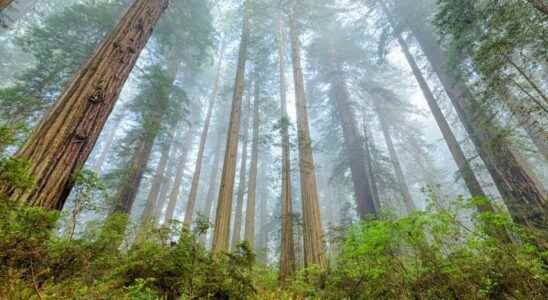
<point>63,140</point>
<point>221,233</point>
<point>312,227</point>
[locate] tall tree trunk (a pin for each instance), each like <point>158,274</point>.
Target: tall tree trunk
<point>470,180</point>
<point>212,185</point>
<point>203,138</point>
<point>353,142</point>
<point>237,229</point>
<point>221,234</point>
<point>63,140</point>
<point>403,187</point>
<point>369,142</point>
<point>157,182</point>
<point>263,237</point>
<point>129,186</point>
<point>249,228</point>
<point>179,173</point>
<point>525,201</point>
<point>313,233</point>
<point>287,254</point>
<point>541,5</point>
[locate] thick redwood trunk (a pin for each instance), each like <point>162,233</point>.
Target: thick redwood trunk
<point>312,227</point>
<point>287,253</point>
<point>63,140</point>
<point>249,228</point>
<point>203,138</point>
<point>237,229</point>
<point>221,233</point>
<point>403,187</point>
<point>470,180</point>
<point>525,200</point>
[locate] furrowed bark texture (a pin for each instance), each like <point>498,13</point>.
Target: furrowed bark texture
<point>313,235</point>
<point>221,233</point>
<point>287,254</point>
<point>249,228</point>
<point>63,140</point>
<point>191,203</point>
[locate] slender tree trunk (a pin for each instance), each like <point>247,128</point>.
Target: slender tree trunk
<point>287,254</point>
<point>212,185</point>
<point>262,239</point>
<point>221,233</point>
<point>541,5</point>
<point>129,186</point>
<point>368,145</point>
<point>403,187</point>
<point>249,228</point>
<point>313,233</point>
<point>237,229</point>
<point>162,199</point>
<point>353,142</point>
<point>63,140</point>
<point>157,182</point>
<point>524,199</point>
<point>203,138</point>
<point>470,180</point>
<point>180,172</point>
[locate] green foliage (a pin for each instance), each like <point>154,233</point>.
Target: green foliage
<point>427,255</point>
<point>15,172</point>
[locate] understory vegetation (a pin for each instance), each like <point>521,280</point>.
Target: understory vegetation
<point>426,255</point>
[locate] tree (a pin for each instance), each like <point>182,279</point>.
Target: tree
<point>238,212</point>
<point>287,252</point>
<point>224,206</point>
<point>203,138</point>
<point>525,201</point>
<point>468,175</point>
<point>404,188</point>
<point>157,112</point>
<point>249,228</point>
<point>180,172</point>
<point>313,236</point>
<point>63,140</point>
